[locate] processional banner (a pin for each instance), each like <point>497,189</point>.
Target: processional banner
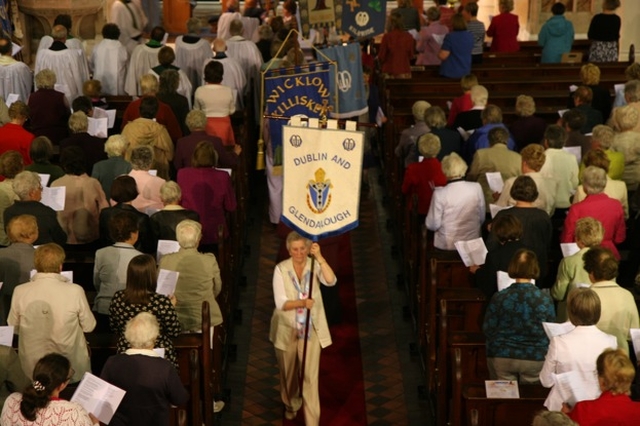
<point>348,81</point>
<point>364,19</point>
<point>305,90</point>
<point>322,170</point>
<point>320,14</point>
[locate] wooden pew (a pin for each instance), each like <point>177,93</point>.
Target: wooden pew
<point>461,310</point>
<point>478,410</point>
<point>468,364</point>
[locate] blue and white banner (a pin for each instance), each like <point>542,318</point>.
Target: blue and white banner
<point>304,91</point>
<point>322,170</point>
<point>365,19</point>
<point>349,81</point>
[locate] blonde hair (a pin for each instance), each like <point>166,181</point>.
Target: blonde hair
<point>525,106</point>
<point>418,109</point>
<point>479,95</point>
<point>603,135</point>
<point>115,146</point>
<point>78,122</point>
<point>533,155</point>
<point>583,307</point>
<point>468,81</point>
<point>23,229</point>
<point>590,74</point>
<point>429,145</point>
<point>45,79</point>
<point>453,166</point>
<point>626,118</point>
<point>615,371</point>
<point>49,258</point>
<point>149,84</point>
<point>589,231</point>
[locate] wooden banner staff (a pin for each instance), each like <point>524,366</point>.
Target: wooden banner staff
<point>306,330</point>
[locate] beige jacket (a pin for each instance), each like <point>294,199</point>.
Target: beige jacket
<point>498,158</point>
<point>143,131</point>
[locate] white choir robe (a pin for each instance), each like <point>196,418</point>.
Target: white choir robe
<point>70,67</point>
<point>109,65</point>
<point>15,77</point>
<point>130,26</point>
<point>151,9</point>
<point>224,23</point>
<point>142,59</point>
<point>190,57</point>
<point>233,78</point>
<point>72,43</point>
<point>247,55</point>
<point>250,28</point>
<point>184,88</point>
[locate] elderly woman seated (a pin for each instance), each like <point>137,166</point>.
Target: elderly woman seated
<point>528,128</point>
<point>571,272</point>
<point>421,178</point>
<point>164,222</point>
<point>457,210</point>
<point>450,140</point>
<point>406,148</point>
<point>599,206</point>
<point>49,109</point>
<point>578,349</point>
<point>41,151</point>
<point>516,341</point>
<point>28,188</point>
<point>84,199</point>
<point>107,170</point>
<point>123,192</point>
<point>613,407</point>
<point>148,199</point>
<point>16,261</point>
<point>110,268</point>
<point>11,163</point>
<point>151,383</point>
<point>615,189</point>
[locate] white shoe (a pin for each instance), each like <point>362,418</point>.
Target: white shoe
<point>218,406</point>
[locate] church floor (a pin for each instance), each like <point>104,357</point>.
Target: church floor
<point>391,375</point>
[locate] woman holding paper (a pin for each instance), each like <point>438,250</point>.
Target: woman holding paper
<point>291,281</point>
<point>613,407</point>
<point>151,383</point>
<point>140,295</point>
<point>577,350</point>
<point>516,342</point>
<point>40,404</point>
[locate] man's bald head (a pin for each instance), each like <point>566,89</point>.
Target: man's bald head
<point>59,33</point>
<point>219,45</point>
<point>5,46</point>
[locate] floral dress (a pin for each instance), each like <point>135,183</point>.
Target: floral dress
<point>120,312</point>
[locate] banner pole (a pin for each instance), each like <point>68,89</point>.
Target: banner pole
<point>306,331</point>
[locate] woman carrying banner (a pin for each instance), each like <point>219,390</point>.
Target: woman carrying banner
<point>291,283</point>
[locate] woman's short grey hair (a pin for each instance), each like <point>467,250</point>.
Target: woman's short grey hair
<point>435,117</point>
<point>196,119</point>
<point>188,233</point>
<point>429,145</point>
<point>193,25</point>
<point>626,117</point>
<point>142,157</point>
<point>603,135</point>
<point>594,179</point>
<point>78,122</point>
<point>45,79</point>
<point>418,109</point>
<point>115,146</point>
<point>170,192</point>
<point>142,331</point>
<point>265,32</point>
<point>453,166</point>
<point>632,91</point>
<point>479,95</point>
<point>25,183</point>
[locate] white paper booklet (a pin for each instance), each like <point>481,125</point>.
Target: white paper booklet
<point>166,247</point>
<point>160,352</point>
<point>556,329</point>
<point>109,114</point>
<point>494,209</point>
<point>11,99</point>
<point>504,280</point>
<point>98,397</point>
<point>54,197</point>
<point>503,389</point>
<point>465,133</point>
<point>561,112</point>
<point>167,281</point>
<point>635,339</point>
<point>472,252</point>
<point>576,151</point>
<point>573,387</point>
<point>226,170</point>
<point>44,179</point>
<point>67,274</point>
<point>569,249</point>
<point>6,335</point>
<point>494,179</point>
<point>98,127</point>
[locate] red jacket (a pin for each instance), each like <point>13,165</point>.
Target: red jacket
<point>607,410</point>
<point>164,116</point>
<point>15,137</point>
<point>396,51</point>
<point>420,178</point>
<point>504,30</point>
